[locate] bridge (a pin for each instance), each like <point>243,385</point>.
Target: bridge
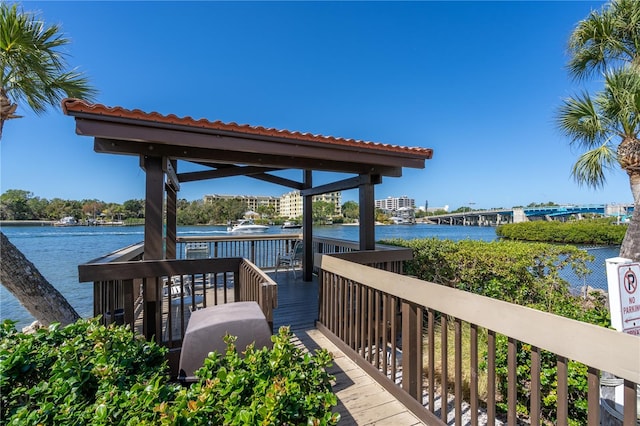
<point>495,217</point>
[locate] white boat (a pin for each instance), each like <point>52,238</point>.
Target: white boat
<point>66,221</point>
<point>246,225</point>
<point>291,225</point>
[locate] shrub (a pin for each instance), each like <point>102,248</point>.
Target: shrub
<point>86,373</point>
<point>83,373</point>
<point>596,231</point>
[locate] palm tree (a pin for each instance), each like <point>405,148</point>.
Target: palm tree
<point>34,71</point>
<point>607,123</point>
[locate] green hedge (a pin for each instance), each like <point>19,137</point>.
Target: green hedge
<point>86,373</point>
<point>597,231</point>
<point>526,274</point>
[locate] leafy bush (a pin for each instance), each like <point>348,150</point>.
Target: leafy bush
<point>86,373</point>
<point>596,231</point>
<point>525,274</point>
<point>278,386</point>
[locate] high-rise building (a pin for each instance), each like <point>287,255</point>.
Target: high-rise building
<point>392,204</point>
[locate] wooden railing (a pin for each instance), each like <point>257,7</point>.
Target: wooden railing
<point>119,295</point>
<point>391,325</point>
<point>259,249</point>
<point>156,297</point>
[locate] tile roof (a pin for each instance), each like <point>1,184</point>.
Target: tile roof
<point>78,106</point>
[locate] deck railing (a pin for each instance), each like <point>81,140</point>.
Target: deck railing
<point>156,297</point>
<point>259,249</point>
<point>391,326</point>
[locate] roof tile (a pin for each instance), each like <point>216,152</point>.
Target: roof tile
<point>73,106</point>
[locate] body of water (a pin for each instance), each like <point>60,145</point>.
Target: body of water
<point>57,252</point>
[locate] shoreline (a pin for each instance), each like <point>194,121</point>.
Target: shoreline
<point>26,222</point>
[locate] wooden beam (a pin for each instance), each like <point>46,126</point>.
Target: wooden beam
<point>185,137</point>
<point>172,177</point>
<point>224,172</point>
<point>321,161</point>
<point>279,181</point>
<point>343,185</point>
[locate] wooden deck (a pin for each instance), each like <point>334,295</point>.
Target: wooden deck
<point>361,400</point>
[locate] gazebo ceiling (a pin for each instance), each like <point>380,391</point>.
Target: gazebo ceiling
<point>227,146</point>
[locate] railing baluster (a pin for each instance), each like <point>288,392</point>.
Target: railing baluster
<point>432,360</point>
<point>458,371</point>
<point>534,409</point>
<point>377,324</point>
<point>512,381</point>
<point>370,324</point>
<point>562,418</point>
<point>394,337</point>
<point>352,314</point>
<point>491,377</point>
<point>385,333</point>
<point>473,385</point>
<point>630,403</point>
<point>593,379</point>
<point>444,355</point>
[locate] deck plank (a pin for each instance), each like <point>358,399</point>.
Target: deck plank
<point>361,400</point>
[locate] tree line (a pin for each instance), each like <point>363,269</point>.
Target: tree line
<point>18,204</point>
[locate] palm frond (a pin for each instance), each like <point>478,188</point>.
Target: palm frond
<point>620,100</point>
<point>579,119</point>
<point>606,38</point>
<point>591,166</point>
<point>34,68</point>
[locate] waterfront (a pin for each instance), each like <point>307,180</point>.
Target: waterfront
<point>57,252</point>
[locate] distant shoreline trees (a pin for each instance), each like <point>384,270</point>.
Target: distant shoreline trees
<point>18,204</point>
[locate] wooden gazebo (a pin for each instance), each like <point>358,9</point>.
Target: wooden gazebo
<point>229,149</point>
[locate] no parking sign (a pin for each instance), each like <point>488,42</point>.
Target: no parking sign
<point>623,282</point>
<point>628,277</point>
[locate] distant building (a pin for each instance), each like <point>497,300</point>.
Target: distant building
<point>395,203</point>
<point>252,202</point>
<point>291,203</point>
<point>288,205</point>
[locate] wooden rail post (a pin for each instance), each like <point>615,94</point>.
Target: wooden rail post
<point>410,362</point>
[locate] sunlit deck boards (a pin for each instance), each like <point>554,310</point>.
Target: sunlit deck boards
<point>361,400</point>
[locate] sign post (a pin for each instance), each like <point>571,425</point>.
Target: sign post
<point>623,279</point>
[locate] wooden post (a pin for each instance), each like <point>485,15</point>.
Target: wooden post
<point>170,240</point>
<point>153,241</point>
<point>367,214</point>
<point>410,363</point>
<point>307,229</point>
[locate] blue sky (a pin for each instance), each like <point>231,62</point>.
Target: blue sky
<point>479,82</point>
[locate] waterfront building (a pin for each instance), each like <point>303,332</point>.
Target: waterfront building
<point>252,202</point>
<point>291,203</point>
<point>395,203</point>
